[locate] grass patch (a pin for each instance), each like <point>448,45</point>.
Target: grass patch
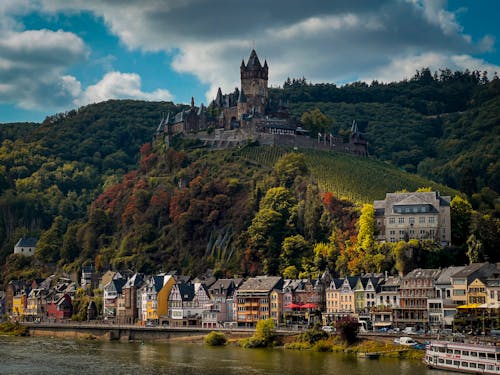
<point>13,329</point>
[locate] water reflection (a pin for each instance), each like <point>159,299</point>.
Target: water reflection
<point>48,356</point>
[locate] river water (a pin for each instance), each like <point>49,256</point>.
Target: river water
<point>36,355</point>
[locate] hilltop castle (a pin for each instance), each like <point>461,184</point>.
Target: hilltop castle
<point>248,114</point>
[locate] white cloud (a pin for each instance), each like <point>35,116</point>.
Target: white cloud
<point>116,85</point>
<point>32,66</point>
<point>323,40</point>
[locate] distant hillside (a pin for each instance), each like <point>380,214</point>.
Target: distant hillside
<point>53,175</point>
<point>360,180</point>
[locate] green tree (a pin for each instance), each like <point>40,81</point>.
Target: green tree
<point>294,249</point>
<point>461,215</point>
<point>475,251</point>
<point>290,272</point>
<point>289,167</point>
<point>317,122</point>
<point>366,233</point>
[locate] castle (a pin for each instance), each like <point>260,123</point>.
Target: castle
<point>249,114</point>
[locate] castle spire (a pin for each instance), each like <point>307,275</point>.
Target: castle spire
<point>253,61</point>
<point>192,102</point>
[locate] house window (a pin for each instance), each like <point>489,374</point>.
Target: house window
<point>432,220</point>
<point>401,220</point>
<point>411,220</point>
<point>421,220</point>
<point>392,220</point>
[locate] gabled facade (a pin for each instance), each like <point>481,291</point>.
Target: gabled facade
<point>111,293</point>
<point>163,296</point>
<point>460,281</point>
<point>187,302</point>
<point>149,298</point>
<point>60,309</point>
<point>222,296</point>
<point>129,303</point>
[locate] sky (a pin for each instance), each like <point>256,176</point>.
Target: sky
<point>57,55</point>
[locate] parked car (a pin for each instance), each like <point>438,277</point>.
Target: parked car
<point>404,340</point>
<point>328,329</point>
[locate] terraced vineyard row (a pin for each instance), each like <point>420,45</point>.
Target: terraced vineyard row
<point>358,179</point>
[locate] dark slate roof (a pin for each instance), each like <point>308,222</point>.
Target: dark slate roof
<point>424,273</point>
<point>336,283</point>
<point>135,280</point>
<point>242,97</point>
<point>186,291</point>
<point>444,277</point>
<point>253,61</point>
<point>474,270</point>
<point>260,284</point>
<point>27,242</point>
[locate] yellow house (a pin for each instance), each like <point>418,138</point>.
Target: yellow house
<point>476,292</point>
<point>163,294</point>
<point>19,305</point>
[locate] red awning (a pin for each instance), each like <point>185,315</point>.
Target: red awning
<point>309,306</point>
<point>292,306</point>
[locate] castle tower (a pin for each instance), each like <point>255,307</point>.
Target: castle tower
<point>254,83</point>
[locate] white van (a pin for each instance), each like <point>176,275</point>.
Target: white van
<point>407,341</point>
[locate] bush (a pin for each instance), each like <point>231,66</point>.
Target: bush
<point>348,328</point>
<point>264,336</point>
<point>215,339</point>
<point>323,346</point>
<point>311,336</point>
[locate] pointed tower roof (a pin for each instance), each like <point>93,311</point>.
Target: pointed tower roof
<point>242,97</point>
<point>253,61</point>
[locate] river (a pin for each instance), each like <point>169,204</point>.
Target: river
<point>37,356</point>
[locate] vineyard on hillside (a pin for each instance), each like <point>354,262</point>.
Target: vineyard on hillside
<point>358,179</point>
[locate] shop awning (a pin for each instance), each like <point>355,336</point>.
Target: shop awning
<point>469,306</point>
<point>495,305</point>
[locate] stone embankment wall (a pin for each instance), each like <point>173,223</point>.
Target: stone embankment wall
<point>122,333</point>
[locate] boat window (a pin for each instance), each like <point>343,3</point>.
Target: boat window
<point>481,366</point>
<point>448,361</point>
<point>456,363</point>
<point>490,367</point>
<point>457,351</point>
<point>491,355</point>
<point>474,354</point>
<point>482,355</point>
<point>441,350</point>
<point>465,364</point>
<point>473,365</point>
<point>441,360</point>
<point>450,351</point>
<point>465,352</point>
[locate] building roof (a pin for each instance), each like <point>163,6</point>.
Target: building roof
<point>423,273</point>
<point>444,277</point>
<point>253,61</point>
<point>412,198</point>
<point>260,284</point>
<point>27,242</point>
<point>186,290</point>
<point>474,270</point>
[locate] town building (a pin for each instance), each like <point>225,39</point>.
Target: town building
<point>415,290</point>
<point>26,246</point>
<point>186,304</point>
<point>253,299</point>
<point>129,302</point>
<point>441,308</point>
<point>111,293</point>
<point>461,280</point>
<point>416,215</point>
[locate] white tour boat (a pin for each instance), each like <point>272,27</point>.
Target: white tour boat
<point>471,358</point>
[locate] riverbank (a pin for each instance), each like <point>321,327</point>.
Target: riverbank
<point>13,329</point>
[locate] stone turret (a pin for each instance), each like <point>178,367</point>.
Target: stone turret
<point>254,79</point>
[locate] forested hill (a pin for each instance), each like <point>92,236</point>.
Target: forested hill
<point>444,126</point>
<point>60,180</point>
